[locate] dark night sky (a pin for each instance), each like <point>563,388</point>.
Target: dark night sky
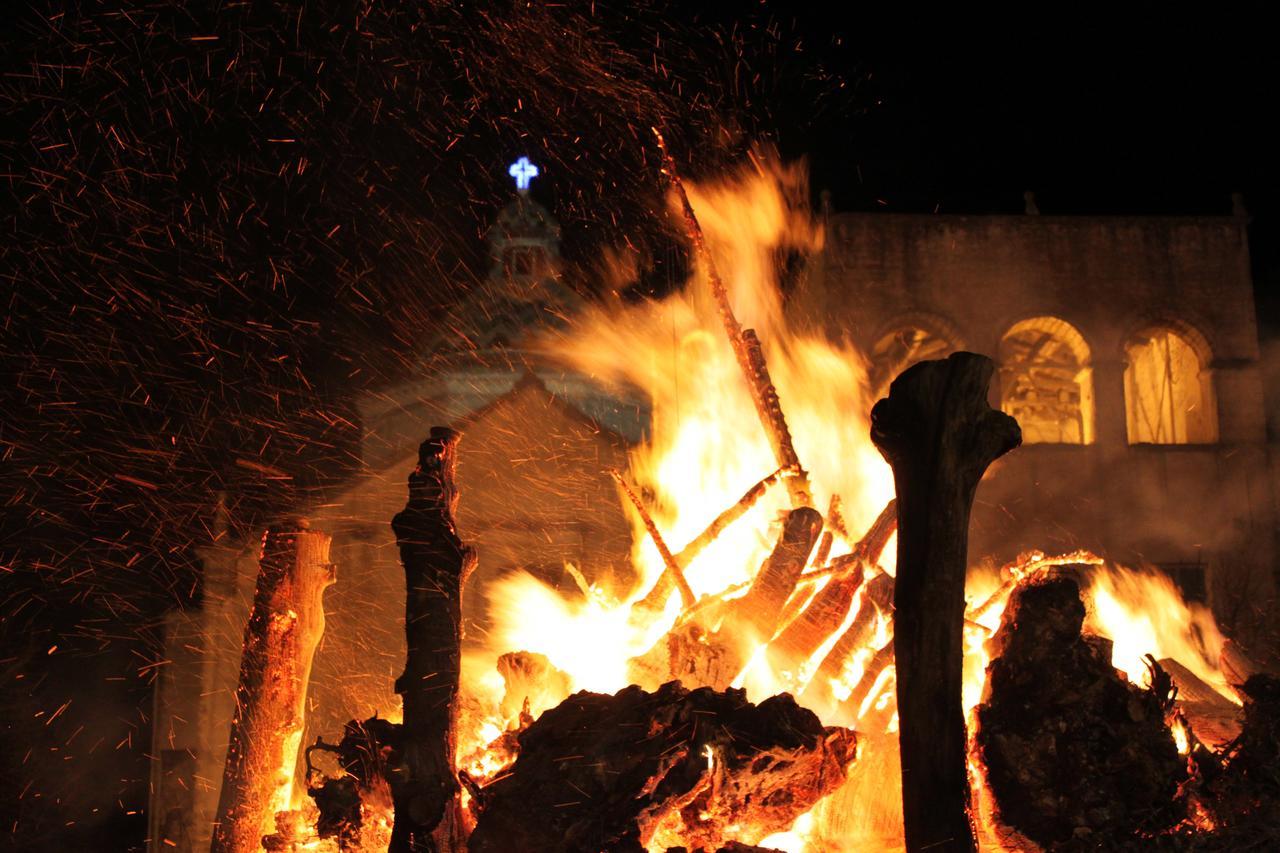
<point>221,224</point>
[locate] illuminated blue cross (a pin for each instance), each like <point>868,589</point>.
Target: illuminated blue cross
<point>523,171</point>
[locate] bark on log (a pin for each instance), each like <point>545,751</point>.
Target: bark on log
<point>436,565</point>
<point>280,641</point>
<point>939,435</point>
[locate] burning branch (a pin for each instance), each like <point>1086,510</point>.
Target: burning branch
<point>673,568</point>
<point>746,347</point>
<point>280,641</point>
<point>656,597</point>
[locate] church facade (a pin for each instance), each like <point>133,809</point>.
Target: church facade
<point>1127,348</point>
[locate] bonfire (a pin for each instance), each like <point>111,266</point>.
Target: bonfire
<point>800,625</point>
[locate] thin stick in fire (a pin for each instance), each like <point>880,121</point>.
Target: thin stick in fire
<point>746,347</point>
<point>673,568</point>
<point>657,595</point>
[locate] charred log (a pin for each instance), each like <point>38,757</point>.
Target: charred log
<point>280,641</point>
<point>610,773</point>
<point>1074,752</point>
<point>436,565</point>
<point>939,435</point>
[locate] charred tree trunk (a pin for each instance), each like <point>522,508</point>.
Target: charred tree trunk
<point>280,641</point>
<point>939,435</point>
<point>436,565</point>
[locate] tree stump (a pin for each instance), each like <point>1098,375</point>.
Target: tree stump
<point>280,641</point>
<point>939,435</point>
<point>436,565</point>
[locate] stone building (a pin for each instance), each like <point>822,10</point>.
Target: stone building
<point>1127,349</point>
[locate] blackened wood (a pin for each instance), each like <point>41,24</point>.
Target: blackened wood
<point>436,565</point>
<point>280,641</point>
<point>939,435</point>
<point>603,773</point>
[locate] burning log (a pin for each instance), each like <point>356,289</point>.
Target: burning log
<point>613,773</point>
<point>436,565</point>
<point>1212,718</point>
<point>757,613</point>
<point>824,615</point>
<point>1073,751</point>
<point>939,435</point>
<point>532,684</point>
<point>280,641</point>
<point>876,599</point>
<point>746,348</point>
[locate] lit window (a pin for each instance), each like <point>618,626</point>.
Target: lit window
<point>1046,382</point>
<point>900,349</point>
<point>1168,393</point>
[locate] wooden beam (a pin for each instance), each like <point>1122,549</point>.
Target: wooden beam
<point>939,435</point>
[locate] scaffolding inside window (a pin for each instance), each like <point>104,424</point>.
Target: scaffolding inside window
<point>901,348</point>
<point>1046,382</point>
<point>1168,393</point>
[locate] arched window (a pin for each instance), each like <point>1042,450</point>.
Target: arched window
<point>1168,391</point>
<point>1046,381</point>
<point>897,350</point>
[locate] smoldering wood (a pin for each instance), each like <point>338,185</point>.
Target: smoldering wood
<point>280,639</point>
<point>602,773</point>
<point>745,345</point>
<point>436,565</point>
<point>828,609</point>
<point>1074,753</point>
<point>939,435</point>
